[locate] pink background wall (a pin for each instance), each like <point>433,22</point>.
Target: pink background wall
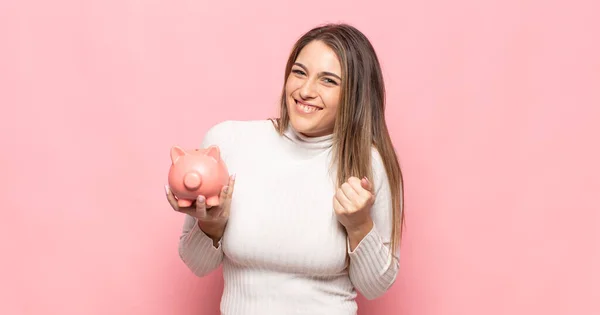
<point>494,107</point>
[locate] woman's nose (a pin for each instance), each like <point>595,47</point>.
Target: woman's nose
<point>308,89</point>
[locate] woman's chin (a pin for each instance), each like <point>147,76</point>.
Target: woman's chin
<point>301,125</point>
<point>307,127</point>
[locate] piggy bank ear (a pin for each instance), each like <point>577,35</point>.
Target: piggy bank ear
<point>176,153</point>
<point>214,152</point>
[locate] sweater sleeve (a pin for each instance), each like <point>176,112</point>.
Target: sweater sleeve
<point>373,269</point>
<point>196,249</point>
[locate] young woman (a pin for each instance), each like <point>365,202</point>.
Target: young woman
<point>317,211</point>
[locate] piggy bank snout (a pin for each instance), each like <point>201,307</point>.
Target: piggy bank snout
<point>192,180</point>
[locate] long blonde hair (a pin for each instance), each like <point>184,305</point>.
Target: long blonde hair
<point>360,123</point>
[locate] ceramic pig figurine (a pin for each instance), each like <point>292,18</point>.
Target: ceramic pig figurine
<point>197,172</point>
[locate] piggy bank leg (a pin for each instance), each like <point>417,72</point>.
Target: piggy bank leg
<point>212,201</point>
<point>184,203</point>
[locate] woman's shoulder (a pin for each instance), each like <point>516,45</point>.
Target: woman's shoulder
<point>244,126</point>
<point>234,130</point>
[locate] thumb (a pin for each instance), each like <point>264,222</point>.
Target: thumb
<point>366,184</point>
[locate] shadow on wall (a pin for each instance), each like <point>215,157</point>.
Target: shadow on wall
<point>204,295</point>
<point>379,306</point>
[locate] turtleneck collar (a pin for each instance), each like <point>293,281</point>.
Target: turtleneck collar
<point>310,145</point>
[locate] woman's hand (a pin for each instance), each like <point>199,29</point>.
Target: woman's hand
<point>352,204</point>
<point>211,220</point>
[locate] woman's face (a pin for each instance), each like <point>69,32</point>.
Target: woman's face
<point>313,90</point>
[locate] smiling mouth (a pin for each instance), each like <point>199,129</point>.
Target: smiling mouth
<point>307,108</point>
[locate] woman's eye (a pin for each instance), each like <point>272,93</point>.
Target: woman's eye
<point>329,81</point>
<point>296,71</point>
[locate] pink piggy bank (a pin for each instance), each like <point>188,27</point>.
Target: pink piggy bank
<point>197,172</point>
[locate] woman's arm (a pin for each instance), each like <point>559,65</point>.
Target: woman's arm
<point>199,249</point>
<point>373,269</point>
<point>200,253</point>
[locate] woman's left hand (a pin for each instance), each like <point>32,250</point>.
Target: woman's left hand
<point>352,204</point>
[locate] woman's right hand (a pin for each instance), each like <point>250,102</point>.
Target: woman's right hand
<point>211,220</point>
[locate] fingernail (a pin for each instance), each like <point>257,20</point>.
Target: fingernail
<point>225,189</point>
<point>201,199</point>
<point>233,177</point>
<point>166,189</point>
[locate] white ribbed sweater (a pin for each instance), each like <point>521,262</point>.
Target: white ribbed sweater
<point>283,251</point>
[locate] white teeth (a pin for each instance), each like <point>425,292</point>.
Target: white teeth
<point>307,108</point>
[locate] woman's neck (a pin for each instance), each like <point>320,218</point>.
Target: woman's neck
<point>313,144</point>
